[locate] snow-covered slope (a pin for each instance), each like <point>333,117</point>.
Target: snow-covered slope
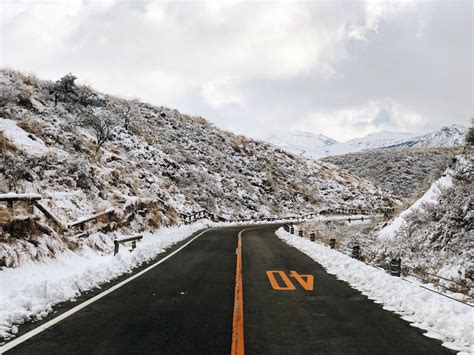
<point>402,172</point>
<point>378,140</point>
<point>452,136</point>
<point>154,160</point>
<point>301,143</point>
<point>318,146</point>
<point>436,233</point>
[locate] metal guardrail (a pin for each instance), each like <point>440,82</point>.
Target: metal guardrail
<point>202,214</point>
<point>132,239</point>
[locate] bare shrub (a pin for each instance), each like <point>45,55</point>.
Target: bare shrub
<point>31,126</point>
<point>127,111</point>
<point>470,134</point>
<point>103,127</point>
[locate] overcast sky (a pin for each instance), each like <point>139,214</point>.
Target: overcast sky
<point>342,68</point>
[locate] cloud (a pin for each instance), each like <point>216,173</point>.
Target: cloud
<point>248,66</point>
<point>375,116</point>
<point>220,92</point>
<point>375,11</point>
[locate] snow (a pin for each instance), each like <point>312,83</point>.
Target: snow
<point>22,139</point>
<point>444,319</point>
<point>299,142</point>
<point>430,196</point>
<point>318,146</point>
<point>30,291</point>
<point>452,136</point>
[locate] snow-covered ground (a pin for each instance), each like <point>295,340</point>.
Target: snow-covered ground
<point>450,321</point>
<point>29,292</point>
<point>22,140</point>
<point>430,196</point>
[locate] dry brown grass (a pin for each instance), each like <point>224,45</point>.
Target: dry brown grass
<point>6,145</point>
<point>31,126</point>
<point>3,143</point>
<point>5,215</point>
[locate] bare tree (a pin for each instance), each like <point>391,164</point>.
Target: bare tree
<point>103,125</point>
<point>127,110</point>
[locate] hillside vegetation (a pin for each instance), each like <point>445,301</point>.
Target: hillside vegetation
<point>84,151</point>
<point>404,173</point>
<point>438,236</point>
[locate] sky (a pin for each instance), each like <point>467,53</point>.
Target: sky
<point>342,68</point>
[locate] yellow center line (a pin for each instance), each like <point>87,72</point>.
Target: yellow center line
<point>238,320</point>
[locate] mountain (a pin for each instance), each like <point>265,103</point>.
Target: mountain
<point>301,143</point>
<point>452,136</point>
<point>378,140</point>
<point>85,151</point>
<point>318,146</point>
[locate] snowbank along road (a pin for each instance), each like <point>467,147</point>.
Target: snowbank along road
<point>227,290</point>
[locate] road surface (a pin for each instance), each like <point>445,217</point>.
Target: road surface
<point>185,305</point>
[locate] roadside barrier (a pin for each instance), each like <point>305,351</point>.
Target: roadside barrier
<point>396,267</point>
<point>202,214</point>
<point>356,252</point>
<point>132,239</point>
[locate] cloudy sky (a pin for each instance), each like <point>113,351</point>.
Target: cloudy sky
<point>342,68</point>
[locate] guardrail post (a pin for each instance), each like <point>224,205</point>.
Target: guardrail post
<point>312,237</point>
<point>332,243</point>
<point>116,247</point>
<point>356,252</point>
<point>396,267</point>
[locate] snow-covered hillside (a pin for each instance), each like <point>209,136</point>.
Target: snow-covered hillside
<point>301,143</point>
<point>85,152</point>
<point>318,146</point>
<point>436,233</point>
<point>403,172</point>
<point>452,136</point>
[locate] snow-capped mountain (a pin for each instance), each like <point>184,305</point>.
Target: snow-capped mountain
<point>452,136</point>
<point>319,146</point>
<point>301,143</point>
<point>378,140</point>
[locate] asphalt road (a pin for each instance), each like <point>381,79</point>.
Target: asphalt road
<point>185,306</point>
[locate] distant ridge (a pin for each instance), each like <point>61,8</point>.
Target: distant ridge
<point>315,145</point>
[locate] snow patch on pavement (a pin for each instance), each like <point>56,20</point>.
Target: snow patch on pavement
<point>30,291</point>
<point>442,318</point>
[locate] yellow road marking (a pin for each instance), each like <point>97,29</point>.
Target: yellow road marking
<point>307,284</point>
<point>306,281</point>
<point>238,320</point>
<point>276,286</point>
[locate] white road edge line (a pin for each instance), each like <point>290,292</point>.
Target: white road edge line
<point>10,345</point>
